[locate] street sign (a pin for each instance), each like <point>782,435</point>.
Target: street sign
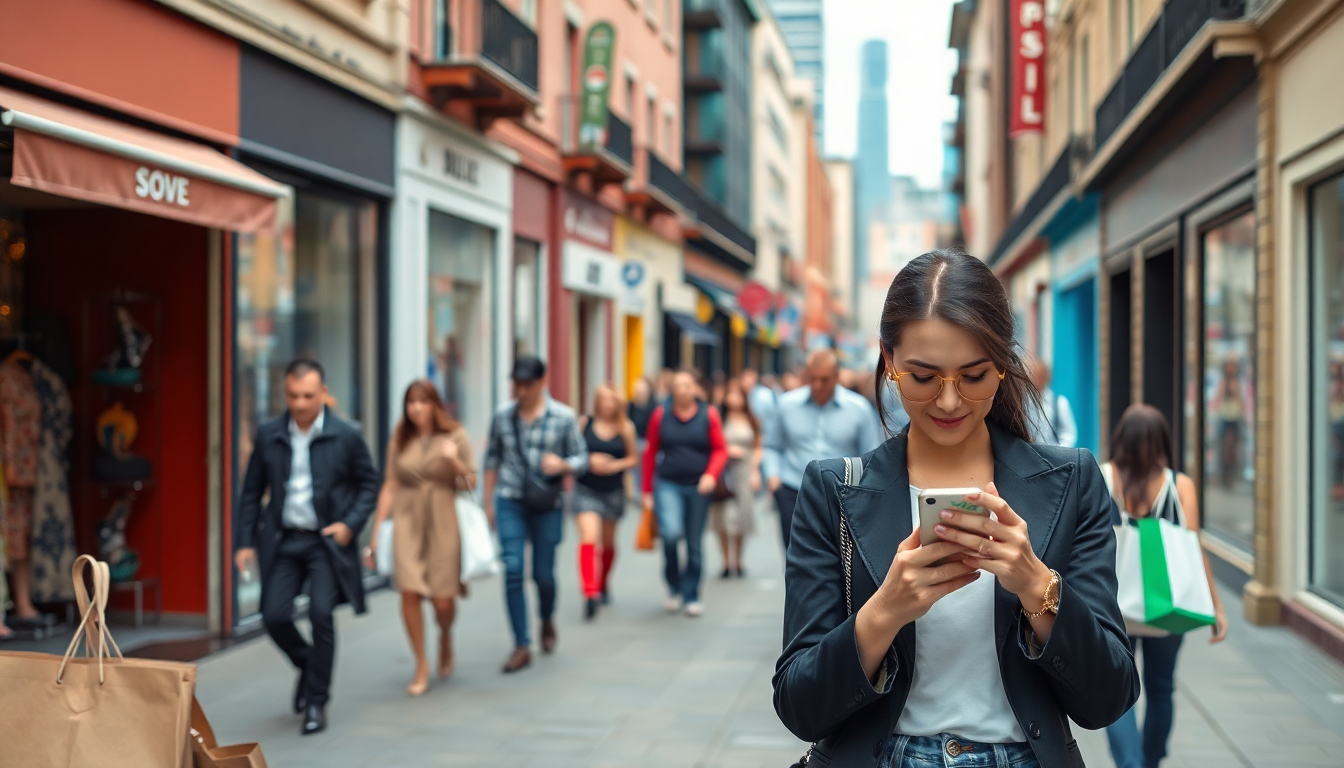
<point>632,273</point>
<point>597,56</point>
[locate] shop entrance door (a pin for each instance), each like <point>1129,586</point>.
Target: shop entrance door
<point>592,352</point>
<point>1076,356</point>
<point>1161,340</point>
<point>1120,355</point>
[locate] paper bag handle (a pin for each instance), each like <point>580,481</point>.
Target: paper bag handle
<point>94,612</point>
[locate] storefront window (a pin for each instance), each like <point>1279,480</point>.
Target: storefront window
<point>297,295</point>
<point>458,358</point>
<point>1229,380</point>
<point>1327,401</point>
<point>527,305</point>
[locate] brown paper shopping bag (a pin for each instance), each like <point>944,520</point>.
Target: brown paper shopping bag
<point>206,752</point>
<point>96,711</point>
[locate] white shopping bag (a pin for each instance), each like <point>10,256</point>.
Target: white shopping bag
<point>1129,574</point>
<point>480,558</point>
<point>384,560</point>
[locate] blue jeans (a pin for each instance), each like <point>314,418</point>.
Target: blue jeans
<point>682,511</point>
<point>545,529</point>
<point>937,752</point>
<point>1129,749</point>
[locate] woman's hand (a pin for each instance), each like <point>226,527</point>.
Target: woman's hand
<point>920,576</point>
<point>706,484</point>
<point>737,452</point>
<point>449,448</point>
<point>1001,547</point>
<point>755,482</point>
<point>371,557</point>
<point>1219,625</point>
<point>600,463</point>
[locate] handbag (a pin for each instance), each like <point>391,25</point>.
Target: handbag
<point>98,711</point>
<point>647,533</point>
<point>540,493</point>
<point>480,558</point>
<point>853,474</point>
<point>383,558</point>
<point>723,488</point>
<point>1159,567</point>
<point>205,749</point>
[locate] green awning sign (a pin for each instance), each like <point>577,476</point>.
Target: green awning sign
<point>597,56</point>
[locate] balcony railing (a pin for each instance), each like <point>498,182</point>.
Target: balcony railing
<point>702,14</point>
<point>509,42</point>
<point>1179,23</point>
<point>710,213</point>
<point>670,182</point>
<point>705,71</point>
<point>618,142</point>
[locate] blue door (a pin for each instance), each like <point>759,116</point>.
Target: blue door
<point>1076,357</point>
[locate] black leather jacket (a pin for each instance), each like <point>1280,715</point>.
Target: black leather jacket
<point>1085,671</point>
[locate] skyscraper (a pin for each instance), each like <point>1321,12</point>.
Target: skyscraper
<point>873,178</point>
<point>804,32</point>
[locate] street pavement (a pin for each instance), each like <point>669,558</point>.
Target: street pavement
<point>641,687</point>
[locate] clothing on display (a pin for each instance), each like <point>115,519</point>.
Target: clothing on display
<point>20,439</point>
<point>52,550</point>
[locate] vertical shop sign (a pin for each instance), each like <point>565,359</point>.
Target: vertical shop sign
<point>597,55</point>
<point>1028,52</point>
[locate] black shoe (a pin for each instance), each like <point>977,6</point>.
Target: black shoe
<point>739,573</point>
<point>727,573</point>
<point>606,597</point>
<point>314,720</point>
<point>300,694</point>
<point>590,608</point>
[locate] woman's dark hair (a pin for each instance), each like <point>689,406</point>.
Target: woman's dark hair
<point>735,385</point>
<point>1140,450</point>
<point>961,290</point>
<point>442,424</point>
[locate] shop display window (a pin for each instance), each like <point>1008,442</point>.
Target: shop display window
<point>297,294</point>
<point>1326,210</point>
<point>527,298</point>
<point>1228,397</point>
<point>460,332</point>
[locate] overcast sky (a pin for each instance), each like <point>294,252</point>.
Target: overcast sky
<point>919,78</point>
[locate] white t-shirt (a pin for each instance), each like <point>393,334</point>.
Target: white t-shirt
<point>957,686</point>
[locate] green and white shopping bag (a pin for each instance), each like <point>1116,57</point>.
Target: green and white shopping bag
<point>1159,563</point>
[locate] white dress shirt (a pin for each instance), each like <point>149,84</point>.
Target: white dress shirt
<point>802,430</point>
<point>1054,424</point>
<point>299,511</point>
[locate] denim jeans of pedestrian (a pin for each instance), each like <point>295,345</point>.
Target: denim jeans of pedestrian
<point>517,526</point>
<point>682,511</point>
<point>948,751</point>
<point>1129,748</point>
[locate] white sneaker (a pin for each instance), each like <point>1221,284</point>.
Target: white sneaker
<point>673,604</point>
<point>695,609</point>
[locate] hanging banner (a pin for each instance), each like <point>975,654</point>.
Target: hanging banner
<point>597,55</point>
<point>1027,112</point>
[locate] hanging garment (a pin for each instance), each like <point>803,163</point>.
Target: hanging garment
<point>52,550</point>
<point>20,433</point>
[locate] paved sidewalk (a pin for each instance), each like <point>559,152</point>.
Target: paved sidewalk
<point>640,687</point>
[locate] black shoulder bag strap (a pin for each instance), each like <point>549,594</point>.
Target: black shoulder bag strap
<point>853,474</point>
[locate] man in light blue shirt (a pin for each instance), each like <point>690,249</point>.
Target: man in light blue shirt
<point>1053,423</point>
<point>820,421</point>
<point>761,399</point>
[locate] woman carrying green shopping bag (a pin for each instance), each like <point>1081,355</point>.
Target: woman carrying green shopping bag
<point>1145,487</point>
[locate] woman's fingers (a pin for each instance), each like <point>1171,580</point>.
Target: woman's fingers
<point>980,524</point>
<point>911,542</point>
<point>949,571</point>
<point>926,556</point>
<point>973,542</point>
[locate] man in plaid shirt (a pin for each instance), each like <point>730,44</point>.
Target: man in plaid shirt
<point>552,447</point>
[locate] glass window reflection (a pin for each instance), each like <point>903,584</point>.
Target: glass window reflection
<point>1327,404</point>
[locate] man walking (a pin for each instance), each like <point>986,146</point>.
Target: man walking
<point>534,442</point>
<point>819,421</point>
<point>323,487</point>
<point>1054,423</point>
<point>761,399</point>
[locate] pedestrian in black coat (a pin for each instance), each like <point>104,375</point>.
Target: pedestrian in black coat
<point>323,488</point>
<point>989,638</point>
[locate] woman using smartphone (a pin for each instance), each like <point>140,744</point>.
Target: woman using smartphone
<point>428,461</point>
<point>987,641</point>
<point>1143,484</point>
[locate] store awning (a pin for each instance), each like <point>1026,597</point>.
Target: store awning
<point>72,153</point>
<point>722,297</point>
<point>693,329</point>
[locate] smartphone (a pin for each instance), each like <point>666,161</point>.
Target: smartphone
<point>934,500</point>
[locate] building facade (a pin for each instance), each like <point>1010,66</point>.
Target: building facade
<point>804,27</point>
<point>1171,227</point>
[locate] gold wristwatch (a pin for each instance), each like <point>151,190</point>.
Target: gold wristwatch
<point>1049,601</point>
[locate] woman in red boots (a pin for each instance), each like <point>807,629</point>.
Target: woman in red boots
<point>599,493</point>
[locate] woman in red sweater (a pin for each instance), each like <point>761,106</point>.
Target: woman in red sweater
<point>682,463</point>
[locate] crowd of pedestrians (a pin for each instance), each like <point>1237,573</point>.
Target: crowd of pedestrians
<point>952,403</point>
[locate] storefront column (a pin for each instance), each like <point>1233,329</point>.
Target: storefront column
<point>1260,602</point>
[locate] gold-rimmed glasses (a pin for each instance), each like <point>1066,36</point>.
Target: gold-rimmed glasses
<point>924,388</point>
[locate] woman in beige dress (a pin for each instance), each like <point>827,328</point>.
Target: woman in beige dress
<point>733,518</point>
<point>428,461</point>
